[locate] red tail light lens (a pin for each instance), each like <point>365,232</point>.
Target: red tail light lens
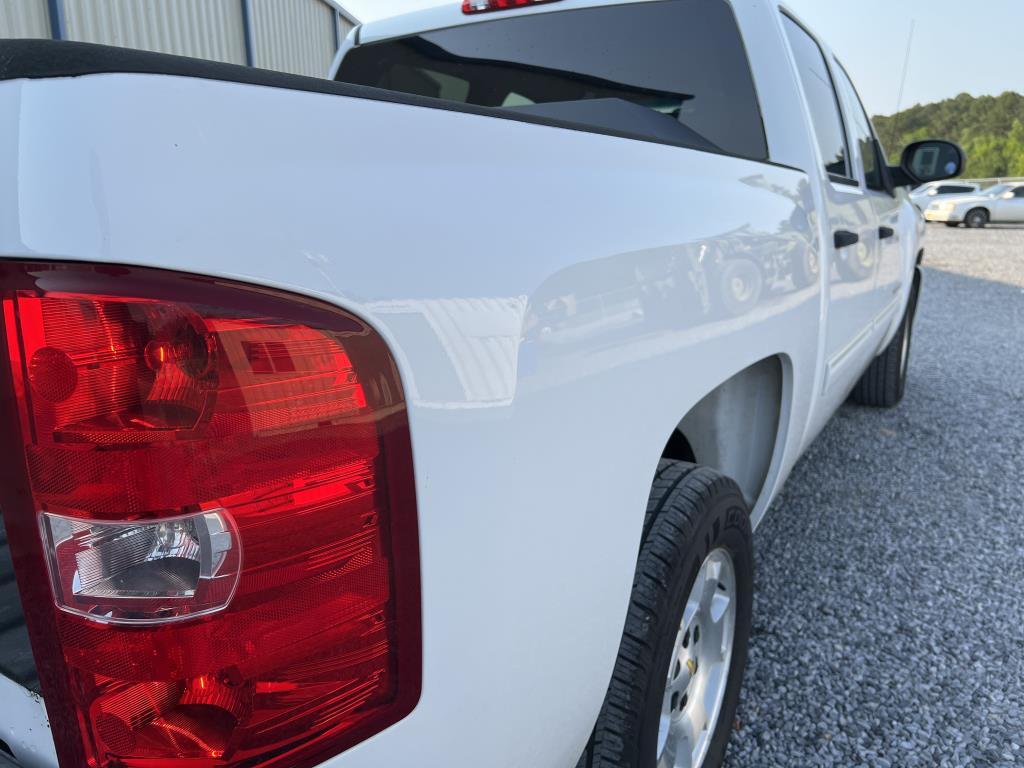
<point>485,6</point>
<point>217,481</point>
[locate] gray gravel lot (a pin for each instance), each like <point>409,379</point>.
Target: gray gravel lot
<point>889,616</point>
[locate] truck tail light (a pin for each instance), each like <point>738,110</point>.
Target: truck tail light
<point>485,6</point>
<point>209,499</point>
<point>145,571</point>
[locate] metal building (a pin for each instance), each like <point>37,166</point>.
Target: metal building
<point>299,36</point>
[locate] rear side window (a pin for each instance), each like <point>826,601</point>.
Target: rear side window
<point>863,133</point>
<point>822,100</point>
<point>673,71</point>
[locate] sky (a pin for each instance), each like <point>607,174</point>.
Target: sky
<point>958,46</point>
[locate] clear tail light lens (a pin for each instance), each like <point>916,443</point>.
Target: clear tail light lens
<point>143,572</point>
<point>212,518</point>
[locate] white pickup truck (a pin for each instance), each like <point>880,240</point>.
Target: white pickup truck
<point>423,416</point>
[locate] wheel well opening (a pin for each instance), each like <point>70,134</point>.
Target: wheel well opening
<point>734,429</point>
<point>678,448</point>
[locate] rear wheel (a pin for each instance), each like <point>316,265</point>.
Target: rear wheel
<point>976,218</point>
<point>675,687</point>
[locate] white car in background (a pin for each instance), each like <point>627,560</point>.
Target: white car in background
<point>934,191</point>
<point>998,204</point>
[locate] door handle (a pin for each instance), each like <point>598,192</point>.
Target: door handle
<point>844,238</point>
<point>885,233</point>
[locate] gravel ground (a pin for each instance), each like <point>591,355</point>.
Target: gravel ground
<point>889,616</point>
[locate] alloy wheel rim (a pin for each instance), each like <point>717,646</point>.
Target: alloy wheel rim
<point>698,672</point>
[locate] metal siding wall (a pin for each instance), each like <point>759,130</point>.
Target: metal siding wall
<point>208,29</point>
<point>24,18</point>
<point>293,36</point>
<point>344,27</point>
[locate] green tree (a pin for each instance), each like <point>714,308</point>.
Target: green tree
<point>985,156</point>
<point>1014,150</point>
<point>989,128</point>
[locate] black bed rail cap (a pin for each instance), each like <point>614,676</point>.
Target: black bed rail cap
<point>37,59</point>
<point>40,59</point>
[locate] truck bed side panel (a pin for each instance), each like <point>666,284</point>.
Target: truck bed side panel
<point>557,300</point>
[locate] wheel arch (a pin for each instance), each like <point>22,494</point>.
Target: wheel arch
<point>739,427</point>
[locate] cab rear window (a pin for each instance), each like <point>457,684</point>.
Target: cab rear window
<point>673,71</point>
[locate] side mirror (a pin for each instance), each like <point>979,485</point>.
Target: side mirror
<point>929,160</point>
<point>1008,195</point>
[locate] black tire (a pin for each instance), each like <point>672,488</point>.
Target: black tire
<point>740,283</point>
<point>885,380</point>
<point>976,218</point>
<point>692,511</point>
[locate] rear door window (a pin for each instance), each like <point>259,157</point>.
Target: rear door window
<point>862,132</point>
<point>673,71</point>
<point>826,117</point>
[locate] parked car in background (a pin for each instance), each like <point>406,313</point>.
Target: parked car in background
<point>927,194</point>
<point>424,416</point>
<point>998,204</point>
